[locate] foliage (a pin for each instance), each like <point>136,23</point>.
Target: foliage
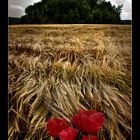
<point>13,20</point>
<point>72,11</point>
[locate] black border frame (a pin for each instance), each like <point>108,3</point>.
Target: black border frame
<point>135,71</point>
<point>4,70</point>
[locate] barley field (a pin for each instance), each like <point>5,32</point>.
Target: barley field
<point>55,70</point>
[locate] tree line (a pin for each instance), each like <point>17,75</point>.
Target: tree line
<point>72,12</point>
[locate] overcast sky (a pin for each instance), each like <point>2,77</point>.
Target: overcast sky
<point>17,7</point>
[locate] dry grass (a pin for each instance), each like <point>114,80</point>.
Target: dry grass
<point>55,70</point>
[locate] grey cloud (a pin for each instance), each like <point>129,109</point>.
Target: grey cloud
<point>15,11</point>
<point>127,8</point>
<point>16,7</point>
<point>119,2</point>
<point>126,16</point>
<point>23,3</point>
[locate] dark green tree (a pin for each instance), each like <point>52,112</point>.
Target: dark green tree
<point>72,11</point>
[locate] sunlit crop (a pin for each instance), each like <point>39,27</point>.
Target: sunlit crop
<point>55,70</point>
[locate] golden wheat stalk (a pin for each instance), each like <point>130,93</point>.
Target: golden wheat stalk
<point>56,76</point>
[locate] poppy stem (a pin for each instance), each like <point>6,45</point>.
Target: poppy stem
<point>89,137</point>
<point>80,134</point>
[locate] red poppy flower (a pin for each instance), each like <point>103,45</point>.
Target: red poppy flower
<point>68,134</point>
<point>55,126</point>
<point>91,138</point>
<point>88,121</point>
